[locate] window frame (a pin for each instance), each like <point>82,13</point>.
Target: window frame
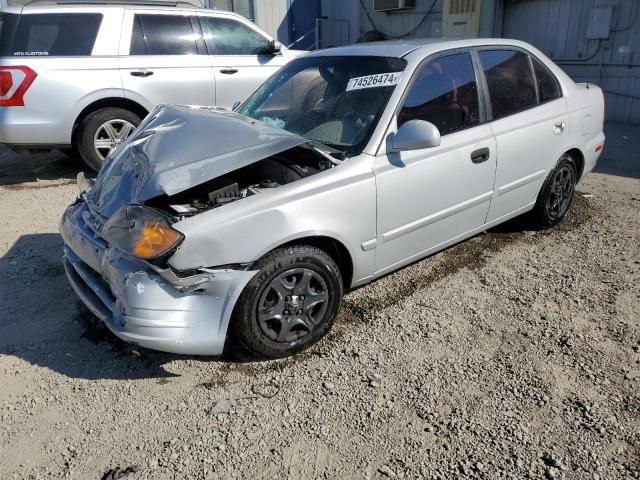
<point>530,57</point>
<point>235,18</point>
<point>482,107</point>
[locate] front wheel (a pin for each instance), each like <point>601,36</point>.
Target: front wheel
<point>556,194</point>
<point>291,302</point>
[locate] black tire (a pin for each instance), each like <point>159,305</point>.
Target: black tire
<point>556,193</point>
<point>88,127</point>
<point>295,270</point>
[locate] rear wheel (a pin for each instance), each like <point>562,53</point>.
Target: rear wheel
<point>291,302</point>
<point>102,131</point>
<point>556,194</point>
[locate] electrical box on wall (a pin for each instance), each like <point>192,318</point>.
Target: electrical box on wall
<point>386,5</point>
<point>599,22</point>
<point>461,18</point>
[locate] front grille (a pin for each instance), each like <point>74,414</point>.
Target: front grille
<point>93,224</point>
<point>91,287</point>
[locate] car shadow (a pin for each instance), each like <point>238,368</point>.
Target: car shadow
<point>43,323</point>
<point>519,224</point>
<point>18,169</point>
<point>619,154</point>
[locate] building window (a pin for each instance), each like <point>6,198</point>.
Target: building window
<point>243,7</point>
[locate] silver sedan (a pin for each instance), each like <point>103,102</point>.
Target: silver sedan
<point>345,165</point>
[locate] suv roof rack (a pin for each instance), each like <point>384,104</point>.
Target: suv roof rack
<point>153,3</point>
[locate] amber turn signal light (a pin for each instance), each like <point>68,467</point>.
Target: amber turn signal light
<point>141,231</point>
<point>155,239</point>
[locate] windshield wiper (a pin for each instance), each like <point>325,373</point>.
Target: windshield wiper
<point>334,156</point>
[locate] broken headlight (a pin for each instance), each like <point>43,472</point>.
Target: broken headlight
<point>141,231</point>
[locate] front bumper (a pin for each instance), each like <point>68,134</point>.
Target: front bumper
<point>144,305</point>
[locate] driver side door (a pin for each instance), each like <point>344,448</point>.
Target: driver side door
<point>431,198</point>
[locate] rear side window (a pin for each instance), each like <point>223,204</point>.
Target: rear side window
<point>58,34</point>
<point>510,80</point>
<point>548,87</point>
<point>230,37</point>
<point>163,35</point>
<point>445,93</point>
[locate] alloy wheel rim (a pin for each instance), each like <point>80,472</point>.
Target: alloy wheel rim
<point>292,305</point>
<point>561,191</point>
<point>110,135</point>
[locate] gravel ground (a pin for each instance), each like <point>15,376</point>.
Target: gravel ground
<point>513,355</point>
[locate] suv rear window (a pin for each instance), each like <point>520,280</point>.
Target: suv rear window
<point>58,34</point>
<point>163,35</point>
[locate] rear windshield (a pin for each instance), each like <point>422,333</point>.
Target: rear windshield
<point>66,34</point>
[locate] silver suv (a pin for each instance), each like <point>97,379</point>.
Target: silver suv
<point>81,76</point>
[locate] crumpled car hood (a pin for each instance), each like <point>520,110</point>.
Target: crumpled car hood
<point>178,147</point>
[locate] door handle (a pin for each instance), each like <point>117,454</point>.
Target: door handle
<point>141,73</point>
<point>228,71</point>
<point>481,155</point>
<point>559,127</point>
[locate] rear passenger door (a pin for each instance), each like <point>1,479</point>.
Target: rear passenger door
<point>529,123</point>
<point>163,59</point>
<point>240,56</point>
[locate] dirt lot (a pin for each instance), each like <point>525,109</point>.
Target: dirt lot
<point>513,355</point>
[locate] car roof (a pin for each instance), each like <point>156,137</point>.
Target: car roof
<point>402,48</point>
<point>108,4</point>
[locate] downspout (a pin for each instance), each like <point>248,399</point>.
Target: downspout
<point>488,9</point>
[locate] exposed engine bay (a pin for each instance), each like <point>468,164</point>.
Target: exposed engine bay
<point>272,172</point>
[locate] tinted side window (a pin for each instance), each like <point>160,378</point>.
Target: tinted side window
<point>8,22</point>
<point>548,87</point>
<point>163,35</point>
<point>510,81</point>
<point>445,93</point>
<point>230,37</point>
<point>63,34</point>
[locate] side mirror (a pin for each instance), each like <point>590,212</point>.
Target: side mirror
<point>415,135</point>
<point>276,47</point>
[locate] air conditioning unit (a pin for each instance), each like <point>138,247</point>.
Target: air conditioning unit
<point>461,18</point>
<point>386,5</point>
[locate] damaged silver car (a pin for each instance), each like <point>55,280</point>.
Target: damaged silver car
<point>345,165</point>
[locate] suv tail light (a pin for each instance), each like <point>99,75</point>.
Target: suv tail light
<point>14,82</point>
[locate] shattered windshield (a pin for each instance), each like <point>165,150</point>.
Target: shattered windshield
<point>332,100</point>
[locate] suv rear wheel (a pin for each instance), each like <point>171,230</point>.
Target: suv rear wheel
<point>100,133</point>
